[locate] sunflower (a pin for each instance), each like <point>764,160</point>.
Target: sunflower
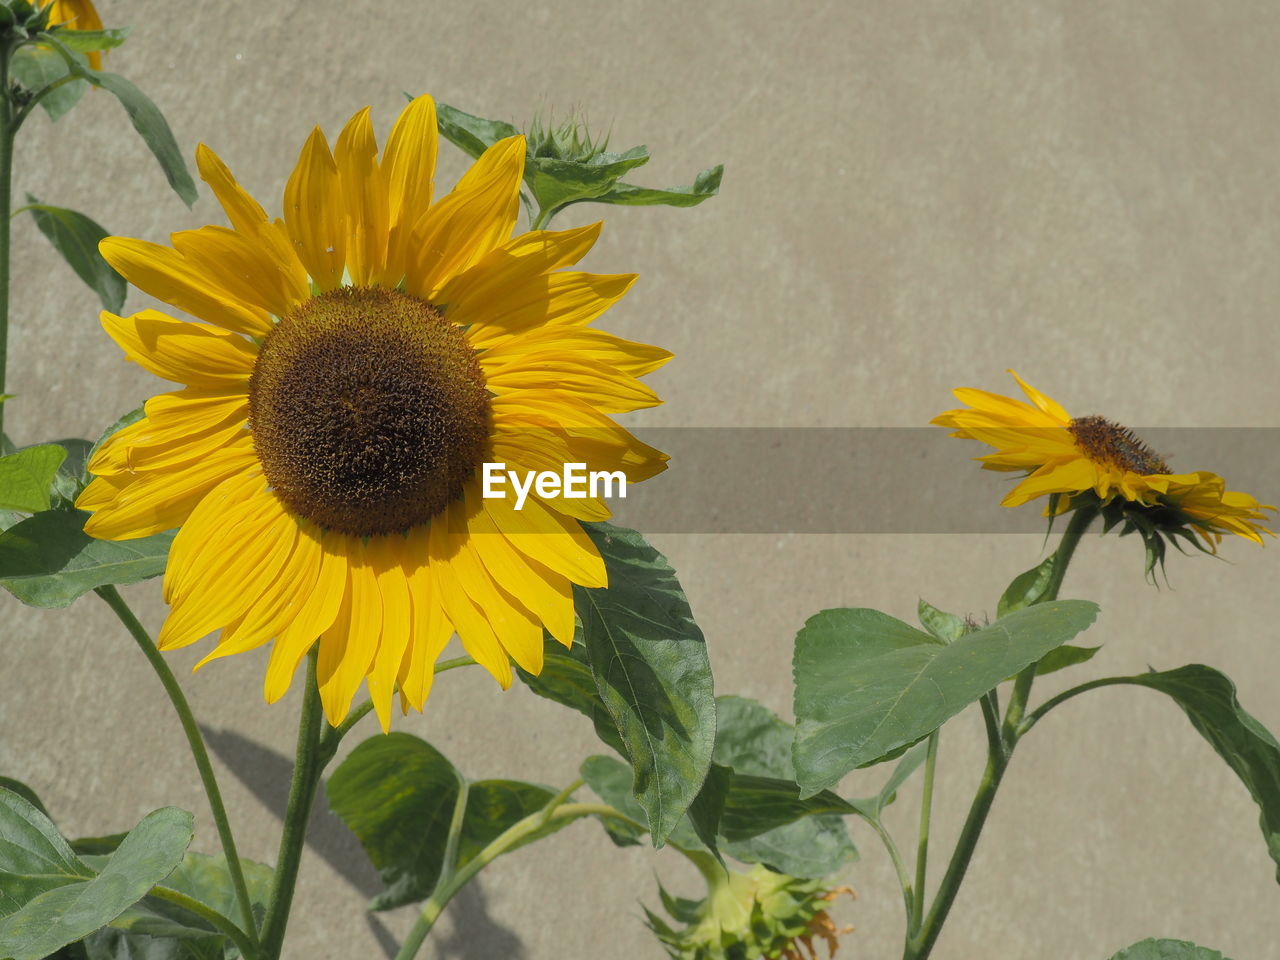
<point>353,366</point>
<point>77,15</point>
<point>1092,460</point>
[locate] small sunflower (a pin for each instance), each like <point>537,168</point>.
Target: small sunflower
<point>353,366</point>
<point>77,15</point>
<point>1078,460</point>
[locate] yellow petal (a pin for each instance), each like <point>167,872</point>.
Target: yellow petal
<point>317,615</point>
<point>242,265</point>
<point>161,501</point>
<point>1047,404</point>
<point>192,353</point>
<point>518,261</point>
<point>169,276</point>
<point>313,213</point>
<point>408,165</point>
<point>431,628</point>
<point>556,542</point>
<point>627,356</point>
<point>476,217</point>
<point>397,623</point>
<point>348,647</point>
<point>607,390</point>
<point>364,198</point>
<point>568,297</point>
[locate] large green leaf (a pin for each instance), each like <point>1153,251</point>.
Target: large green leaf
<point>397,794</point>
<point>867,685</point>
<point>1208,698</point>
<point>82,904</point>
<point>757,805</point>
<point>27,476</point>
<point>38,65</point>
<point>754,741</point>
<point>34,857</point>
<point>76,237</point>
<point>1152,949</point>
<point>651,669</point>
<point>151,126</point>
<point>48,560</point>
<point>610,778</point>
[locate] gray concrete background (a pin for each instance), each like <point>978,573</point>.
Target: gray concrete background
<point>917,196</point>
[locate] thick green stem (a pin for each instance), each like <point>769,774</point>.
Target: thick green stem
<point>1035,716</point>
<point>198,751</point>
<point>922,844</point>
<point>302,792</point>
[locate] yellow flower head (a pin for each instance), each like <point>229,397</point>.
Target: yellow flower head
<point>1090,459</point>
<point>351,367</point>
<point>77,15</point>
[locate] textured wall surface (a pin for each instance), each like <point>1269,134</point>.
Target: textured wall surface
<point>917,196</point>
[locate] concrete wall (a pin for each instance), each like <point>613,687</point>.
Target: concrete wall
<point>917,196</point>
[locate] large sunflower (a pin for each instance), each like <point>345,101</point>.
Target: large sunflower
<point>356,363</point>
<point>1090,459</point>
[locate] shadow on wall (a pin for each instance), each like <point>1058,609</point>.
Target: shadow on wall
<point>473,934</point>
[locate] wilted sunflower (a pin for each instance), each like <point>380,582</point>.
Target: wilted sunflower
<point>77,15</point>
<point>357,362</point>
<point>1092,460</point>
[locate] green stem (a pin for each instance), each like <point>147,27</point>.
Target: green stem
<point>447,888</point>
<point>302,791</point>
<point>9,123</point>
<point>1001,740</point>
<point>1034,717</point>
<point>899,866</point>
<point>542,220</point>
<point>922,844</point>
<point>248,947</point>
<point>196,742</point>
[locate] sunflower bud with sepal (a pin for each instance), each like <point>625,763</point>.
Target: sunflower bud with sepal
<point>757,915</point>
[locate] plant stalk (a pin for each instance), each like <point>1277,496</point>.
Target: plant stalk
<point>922,844</point>
<point>8,130</point>
<point>302,792</point>
<point>198,750</point>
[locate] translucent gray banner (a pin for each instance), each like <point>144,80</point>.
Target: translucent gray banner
<point>884,480</point>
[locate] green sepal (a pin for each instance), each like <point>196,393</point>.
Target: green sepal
<point>91,41</point>
<point>76,237</point>
<point>947,627</point>
<point>1027,588</point>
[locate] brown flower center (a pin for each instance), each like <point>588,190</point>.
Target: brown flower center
<point>368,411</point>
<point>1105,442</point>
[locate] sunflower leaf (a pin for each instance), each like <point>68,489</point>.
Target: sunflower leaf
<point>566,679</point>
<point>397,794</point>
<point>27,476</point>
<point>1064,656</point>
<point>151,126</point>
<point>1208,698</point>
<point>651,669</point>
<point>471,134</point>
<point>36,66</point>
<point>76,237</point>
<point>1152,949</point>
<point>754,741</point>
<point>47,560</point>
<point>77,900</point>
<point>947,627</point>
<point>867,685</point>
